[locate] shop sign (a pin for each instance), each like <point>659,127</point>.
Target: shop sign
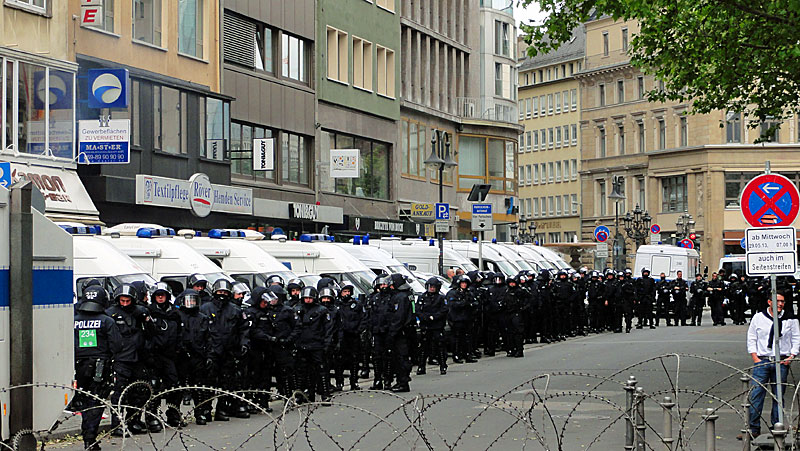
<point>197,194</point>
<point>104,143</point>
<point>263,154</point>
<point>386,226</point>
<point>306,212</point>
<point>62,189</point>
<point>344,163</point>
<point>423,212</point>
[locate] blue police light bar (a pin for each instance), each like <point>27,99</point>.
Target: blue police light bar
<point>305,238</point>
<point>474,239</point>
<point>309,237</point>
<point>81,230</point>
<point>365,240</point>
<point>146,232</point>
<point>432,242</point>
<point>226,233</point>
<point>494,240</point>
<point>356,240</point>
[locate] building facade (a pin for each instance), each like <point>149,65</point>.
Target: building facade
<point>549,150</point>
<point>668,163</point>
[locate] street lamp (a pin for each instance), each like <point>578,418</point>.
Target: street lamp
<point>532,228</point>
<point>523,234</point>
<point>434,161</point>
<point>684,225</point>
<point>513,228</point>
<point>616,196</point>
<point>637,225</point>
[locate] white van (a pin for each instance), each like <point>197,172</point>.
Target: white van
<point>492,259</point>
<point>316,254</point>
<point>423,256</point>
<point>512,256</point>
<point>159,253</point>
<point>379,261</point>
<point>237,255</point>
<point>551,256</point>
<point>667,259</point>
<point>530,255</point>
<point>733,264</point>
<point>95,258</point>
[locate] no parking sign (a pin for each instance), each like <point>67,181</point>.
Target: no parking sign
<point>770,200</point>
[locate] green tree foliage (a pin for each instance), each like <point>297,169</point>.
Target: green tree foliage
<point>735,55</point>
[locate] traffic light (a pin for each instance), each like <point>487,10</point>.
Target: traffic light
<point>692,236</point>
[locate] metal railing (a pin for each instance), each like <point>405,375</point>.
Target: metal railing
<point>487,109</point>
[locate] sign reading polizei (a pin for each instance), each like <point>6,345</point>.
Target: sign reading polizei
<point>306,212</point>
<point>197,194</point>
<point>771,250</point>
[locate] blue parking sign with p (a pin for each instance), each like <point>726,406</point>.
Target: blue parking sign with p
<point>5,175</point>
<point>442,211</point>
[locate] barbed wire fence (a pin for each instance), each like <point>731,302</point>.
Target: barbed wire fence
<point>545,411</point>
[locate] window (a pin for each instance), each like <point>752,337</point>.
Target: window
<point>661,86</point>
<point>521,109</point>
<point>217,133</point>
<point>605,43</point>
<point>602,141</point>
<point>248,43</point>
<point>640,130</point>
<point>543,109</point>
<point>337,55</point>
<point>684,131</point>
<point>241,152</point>
<point>521,176</point>
<point>535,207</point>
<point>566,203</point>
<point>535,136</point>
<point>574,202</point>
<point>620,91</point>
<point>414,142</point>
<point>528,141</point>
<point>550,172</point>
<point>662,133</point>
<point>556,73</point>
<point>558,171</point>
<point>550,140</point>
<point>625,40</point>
<point>642,192</point>
<point>558,136</point>
<point>39,5</point>
<point>533,106</point>
<point>386,72</point>
<point>108,15</point>
<point>502,41</point>
<point>566,136</point>
<point>168,103</point>
<point>549,103</point>
<point>620,139</point>
<point>770,130</point>
<point>574,95</point>
<point>486,160</point>
<point>734,184</point>
<point>601,94</point>
<point>362,64</point>
<point>601,197</point>
<point>543,170</point>
<point>733,127</point>
<point>535,174</point>
<point>574,134</point>
<point>147,21</point>
<point>373,177</point>
<point>528,175</point>
<point>386,4</point>
<point>565,95</point>
<point>574,164</point>
<point>293,58</point>
<point>570,237</point>
<point>498,79</point>
<point>529,208</point>
<point>558,205</point>
<point>558,102</point>
<point>551,205</point>
<point>190,27</point>
<point>543,140</point>
<point>640,87</point>
<point>554,237</point>
<point>674,196</point>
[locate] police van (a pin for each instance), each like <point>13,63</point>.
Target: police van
<point>237,254</point>
<point>530,255</point>
<point>379,261</point>
<point>423,255</point>
<point>668,259</point>
<point>493,260</point>
<point>159,253</point>
<point>318,254</point>
<point>98,259</point>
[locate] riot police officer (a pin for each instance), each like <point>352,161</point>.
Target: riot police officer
<point>133,322</point>
<point>679,289</point>
<point>328,299</point>
<point>378,308</point>
<point>353,324</point>
<point>626,295</point>
<point>285,326</point>
<point>612,305</point>
<point>545,320</point>
<point>262,342</point>
<point>594,294</point>
<point>293,289</point>
<point>494,310</point>
<point>736,294</point>
<point>163,344</point>
<point>229,343</point>
<point>199,283</point>
<point>313,339</point>
<point>562,296</point>
<point>698,300</point>
<point>716,294</point>
<point>432,314</point>
<point>515,303</point>
<point>664,293</point>
<point>193,364</point>
<point>645,288</point>
<point>97,342</point>
<point>401,329</point>
<point>459,303</point>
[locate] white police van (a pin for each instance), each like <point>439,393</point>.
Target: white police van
<point>423,256</point>
<point>668,259</point>
<point>379,261</point>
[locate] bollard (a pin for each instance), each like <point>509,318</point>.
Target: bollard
<point>711,430</point>
<point>779,434</point>
<point>746,438</point>
<point>640,424</point>
<point>630,387</point>
<point>667,405</point>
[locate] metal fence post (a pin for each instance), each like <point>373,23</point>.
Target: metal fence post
<point>711,430</point>
<point>779,434</point>
<point>640,424</point>
<point>746,438</point>
<point>630,388</point>
<point>667,405</point>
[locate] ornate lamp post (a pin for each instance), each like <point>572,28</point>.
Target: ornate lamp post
<point>684,226</point>
<point>523,234</point>
<point>637,225</point>
<point>619,241</point>
<point>513,228</point>
<point>532,228</point>
<point>440,159</point>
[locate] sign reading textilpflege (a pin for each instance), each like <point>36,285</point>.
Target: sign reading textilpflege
<point>344,163</point>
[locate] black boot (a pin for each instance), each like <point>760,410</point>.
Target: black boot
<point>377,385</point>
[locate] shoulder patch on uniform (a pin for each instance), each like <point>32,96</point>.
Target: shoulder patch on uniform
<point>353,305</point>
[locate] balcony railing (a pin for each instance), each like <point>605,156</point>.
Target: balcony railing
<point>487,110</point>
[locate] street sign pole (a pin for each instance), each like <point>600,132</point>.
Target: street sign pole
<point>776,346</point>
<point>480,253</point>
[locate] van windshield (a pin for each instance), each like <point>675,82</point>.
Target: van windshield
<point>524,265</point>
<point>507,268</point>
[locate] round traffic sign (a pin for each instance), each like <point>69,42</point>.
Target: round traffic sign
<point>602,228</point>
<point>601,236</point>
<point>770,200</point>
<point>743,243</point>
<point>655,228</point>
<point>686,243</point>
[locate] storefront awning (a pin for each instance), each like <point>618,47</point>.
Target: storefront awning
<point>65,197</point>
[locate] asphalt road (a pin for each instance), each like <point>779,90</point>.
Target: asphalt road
<point>575,389</point>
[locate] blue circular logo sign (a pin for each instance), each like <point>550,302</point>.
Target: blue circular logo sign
<point>107,88</point>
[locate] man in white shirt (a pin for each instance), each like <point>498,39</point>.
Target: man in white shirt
<point>760,337</point>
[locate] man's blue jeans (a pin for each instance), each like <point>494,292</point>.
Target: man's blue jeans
<point>764,373</point>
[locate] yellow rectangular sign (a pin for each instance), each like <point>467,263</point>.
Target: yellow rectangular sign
<point>423,211</point>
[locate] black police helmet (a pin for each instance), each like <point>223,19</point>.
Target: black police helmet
<point>433,282</point>
<point>223,285</point>
<point>327,292</point>
<point>124,290</point>
<point>197,279</point>
<point>275,279</point>
<point>96,294</point>
<point>309,292</point>
<point>295,284</point>
<point>189,299</point>
<point>161,288</point>
<point>279,292</point>
<point>91,307</point>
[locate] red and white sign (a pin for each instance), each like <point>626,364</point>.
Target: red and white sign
<point>62,188</point>
<point>201,195</point>
<point>91,13</point>
<point>196,194</point>
<point>770,200</point>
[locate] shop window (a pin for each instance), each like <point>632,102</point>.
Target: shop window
<point>171,120</point>
<point>374,164</point>
<point>215,138</point>
<point>147,21</point>
<point>190,27</point>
